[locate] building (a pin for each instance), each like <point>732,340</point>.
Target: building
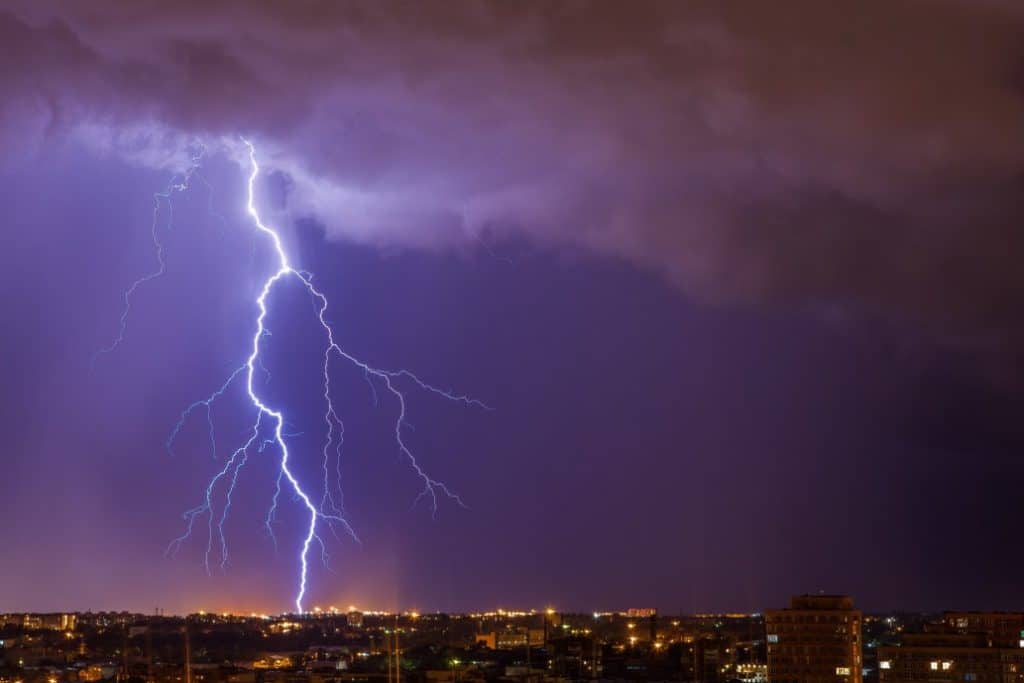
<point>816,640</point>
<point>950,657</point>
<point>708,659</point>
<point>1000,629</point>
<point>640,612</point>
<point>751,673</point>
<point>511,638</point>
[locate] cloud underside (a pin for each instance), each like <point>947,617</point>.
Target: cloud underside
<point>851,155</point>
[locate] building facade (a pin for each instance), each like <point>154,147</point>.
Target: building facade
<point>816,640</point>
<point>1000,629</point>
<point>968,647</point>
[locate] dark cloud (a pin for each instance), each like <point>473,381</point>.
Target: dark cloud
<point>862,155</point>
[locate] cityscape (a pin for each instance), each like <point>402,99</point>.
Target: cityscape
<point>533,341</point>
<point>817,639</point>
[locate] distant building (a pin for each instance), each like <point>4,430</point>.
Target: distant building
<point>709,659</point>
<point>1000,629</point>
<point>511,638</point>
<point>816,640</point>
<point>354,619</point>
<point>641,612</point>
<point>552,620</point>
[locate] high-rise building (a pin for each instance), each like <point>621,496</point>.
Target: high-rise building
<point>816,640</point>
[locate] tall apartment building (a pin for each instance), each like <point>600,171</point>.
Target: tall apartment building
<point>816,640</point>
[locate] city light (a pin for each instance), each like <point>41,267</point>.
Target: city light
<point>362,642</point>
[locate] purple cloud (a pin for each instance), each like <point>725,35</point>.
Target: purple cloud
<point>866,156</point>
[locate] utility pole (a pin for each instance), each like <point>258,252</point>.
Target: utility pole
<point>188,654</point>
<point>398,655</point>
<point>387,649</point>
<point>124,654</point>
<point>149,652</point>
<point>529,665</point>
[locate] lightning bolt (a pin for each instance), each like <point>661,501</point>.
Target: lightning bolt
<point>329,512</point>
<point>178,183</point>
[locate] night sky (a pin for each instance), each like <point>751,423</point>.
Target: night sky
<point>741,281</point>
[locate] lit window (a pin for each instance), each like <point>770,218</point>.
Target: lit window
<point>842,671</point>
<point>885,664</point>
<point>935,666</point>
<point>946,666</point>
<point>773,638</point>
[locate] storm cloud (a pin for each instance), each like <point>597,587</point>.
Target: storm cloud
<point>863,156</point>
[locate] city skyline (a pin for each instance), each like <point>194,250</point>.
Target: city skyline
<point>817,639</point>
